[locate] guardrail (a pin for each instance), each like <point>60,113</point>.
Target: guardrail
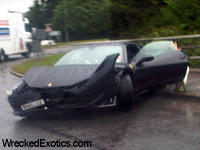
<point>148,39</point>
<point>162,38</point>
<point>194,57</point>
<point>190,47</point>
<point>154,39</point>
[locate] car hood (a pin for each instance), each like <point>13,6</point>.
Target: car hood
<point>70,75</point>
<point>58,76</point>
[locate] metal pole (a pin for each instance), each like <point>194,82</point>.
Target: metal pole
<point>65,21</point>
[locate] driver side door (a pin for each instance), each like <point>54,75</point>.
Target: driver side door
<point>144,73</point>
<point>168,66</point>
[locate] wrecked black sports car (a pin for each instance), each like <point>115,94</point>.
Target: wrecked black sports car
<point>98,75</point>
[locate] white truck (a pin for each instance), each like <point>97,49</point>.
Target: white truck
<point>15,35</point>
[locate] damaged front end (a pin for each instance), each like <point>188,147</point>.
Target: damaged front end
<point>98,90</point>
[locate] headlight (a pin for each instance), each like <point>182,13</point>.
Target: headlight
<point>19,85</point>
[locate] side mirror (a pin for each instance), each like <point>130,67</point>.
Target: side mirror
<point>143,59</point>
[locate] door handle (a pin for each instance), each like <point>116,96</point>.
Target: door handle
<point>182,57</point>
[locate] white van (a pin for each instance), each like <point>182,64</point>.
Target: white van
<point>15,35</point>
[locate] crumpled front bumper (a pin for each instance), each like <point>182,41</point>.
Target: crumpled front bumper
<point>60,101</point>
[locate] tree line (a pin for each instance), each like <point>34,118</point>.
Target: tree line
<point>117,19</point>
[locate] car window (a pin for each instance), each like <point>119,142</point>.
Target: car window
<point>156,49</point>
<point>91,55</point>
<point>28,27</point>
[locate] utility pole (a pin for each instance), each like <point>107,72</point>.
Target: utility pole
<point>65,21</point>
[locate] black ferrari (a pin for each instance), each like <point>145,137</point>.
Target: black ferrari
<point>98,75</point>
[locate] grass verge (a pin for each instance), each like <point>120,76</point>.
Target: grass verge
<point>46,61</point>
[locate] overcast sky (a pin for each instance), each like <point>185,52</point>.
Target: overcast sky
<point>15,5</point>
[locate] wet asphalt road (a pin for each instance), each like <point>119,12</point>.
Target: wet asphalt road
<point>156,122</point>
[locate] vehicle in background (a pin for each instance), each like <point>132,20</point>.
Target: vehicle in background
<point>48,42</point>
<point>15,35</point>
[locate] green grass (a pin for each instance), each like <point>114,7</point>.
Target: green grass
<point>46,61</point>
<point>194,63</point>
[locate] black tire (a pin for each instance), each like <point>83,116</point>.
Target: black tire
<point>29,50</point>
<point>3,57</point>
<point>126,95</point>
<point>27,54</point>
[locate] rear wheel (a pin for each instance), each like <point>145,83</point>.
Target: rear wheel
<point>29,50</point>
<point>3,57</point>
<point>27,54</point>
<point>126,95</point>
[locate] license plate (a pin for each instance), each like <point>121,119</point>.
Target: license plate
<point>32,104</point>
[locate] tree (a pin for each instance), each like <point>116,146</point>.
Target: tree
<point>117,18</point>
<point>130,19</point>
<point>41,12</point>
<point>85,19</point>
<point>184,15</point>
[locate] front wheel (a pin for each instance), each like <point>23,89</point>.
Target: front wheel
<point>126,94</point>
